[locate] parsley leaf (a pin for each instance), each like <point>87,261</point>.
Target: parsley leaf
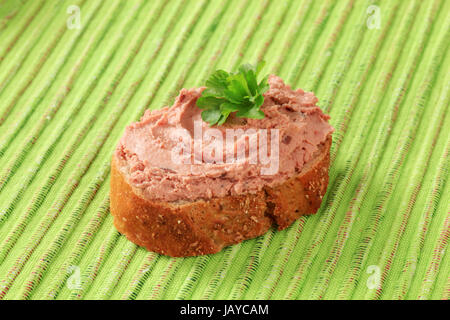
<point>238,92</point>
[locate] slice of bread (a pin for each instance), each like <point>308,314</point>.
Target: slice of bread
<point>191,228</point>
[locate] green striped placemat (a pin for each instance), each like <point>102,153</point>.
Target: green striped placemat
<point>74,73</point>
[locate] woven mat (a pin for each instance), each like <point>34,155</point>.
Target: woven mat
<point>74,73</point>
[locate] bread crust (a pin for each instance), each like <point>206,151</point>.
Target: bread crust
<point>207,226</point>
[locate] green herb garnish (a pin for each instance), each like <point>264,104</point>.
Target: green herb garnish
<point>237,92</point>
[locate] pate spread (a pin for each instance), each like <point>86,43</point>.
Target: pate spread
<point>172,155</point>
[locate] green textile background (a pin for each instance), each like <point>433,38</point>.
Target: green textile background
<point>381,69</point>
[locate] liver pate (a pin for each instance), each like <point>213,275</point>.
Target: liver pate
<point>145,152</point>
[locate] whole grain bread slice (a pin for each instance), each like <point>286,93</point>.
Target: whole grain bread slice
<point>193,228</point>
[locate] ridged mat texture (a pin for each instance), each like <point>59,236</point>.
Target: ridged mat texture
<point>381,69</point>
